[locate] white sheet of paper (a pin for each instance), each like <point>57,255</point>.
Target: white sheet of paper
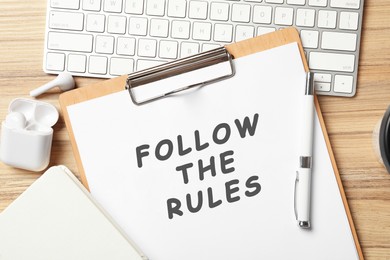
<point>271,84</point>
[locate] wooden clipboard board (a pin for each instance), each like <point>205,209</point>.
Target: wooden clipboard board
<point>239,49</point>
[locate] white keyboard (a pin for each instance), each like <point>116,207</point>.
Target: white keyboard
<point>107,38</point>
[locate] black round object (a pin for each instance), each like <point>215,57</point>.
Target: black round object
<point>384,139</point>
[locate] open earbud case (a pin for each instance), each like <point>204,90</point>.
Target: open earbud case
<point>27,145</point>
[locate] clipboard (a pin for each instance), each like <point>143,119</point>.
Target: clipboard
<point>237,50</point>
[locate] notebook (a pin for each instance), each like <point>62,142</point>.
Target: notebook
<point>56,218</point>
<point>209,174</point>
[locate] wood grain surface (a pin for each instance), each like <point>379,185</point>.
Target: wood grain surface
<point>349,121</point>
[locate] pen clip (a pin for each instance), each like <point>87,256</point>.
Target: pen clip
<point>295,195</point>
<point>309,89</point>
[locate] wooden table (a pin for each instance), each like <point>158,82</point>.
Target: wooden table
<point>350,121</point>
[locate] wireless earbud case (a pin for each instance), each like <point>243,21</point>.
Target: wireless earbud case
<point>29,147</point>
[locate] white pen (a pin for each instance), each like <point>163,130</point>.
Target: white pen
<point>303,178</point>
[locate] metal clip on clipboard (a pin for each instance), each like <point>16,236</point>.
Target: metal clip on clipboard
<point>177,67</point>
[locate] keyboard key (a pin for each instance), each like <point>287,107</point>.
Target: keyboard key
<point>322,3</point>
<point>309,39</point>
<point>95,22</point>
<point>305,17</point>
<point>104,44</point>
<point>322,86</point>
<point>198,10</point>
<point>125,46</point>
<point>159,27</point>
<point>66,20</point>
<point>264,30</point>
<point>70,42</point>
<point>321,77</point>
<point>116,24</point>
<point>134,6</point>
<point>180,29</point>
<point>138,26</point>
<point>65,4</point>
<point>177,8</point>
<point>241,13</point>
<point>168,49</point>
<point>331,61</point>
<point>188,49</point>
<point>262,14</point>
<point>219,11</point>
<point>284,16</point>
<point>339,41</point>
<point>155,7</point>
<point>147,48</point>
<point>113,6</point>
<point>296,2</point>
<point>223,32</point>
<point>349,20</point>
<point>121,66</point>
<point>77,63</point>
<point>55,61</point>
<point>349,4</point>
<point>209,46</point>
<point>274,1</point>
<point>91,5</point>
<point>97,65</point>
<point>145,64</point>
<point>244,32</point>
<point>327,19</point>
<point>343,83</point>
<point>201,31</point>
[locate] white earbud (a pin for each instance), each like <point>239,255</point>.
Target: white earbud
<point>64,81</point>
<point>15,120</point>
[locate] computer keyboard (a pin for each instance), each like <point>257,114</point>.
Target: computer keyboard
<point>107,38</point>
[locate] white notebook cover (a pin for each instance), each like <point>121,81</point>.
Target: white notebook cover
<point>56,218</point>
